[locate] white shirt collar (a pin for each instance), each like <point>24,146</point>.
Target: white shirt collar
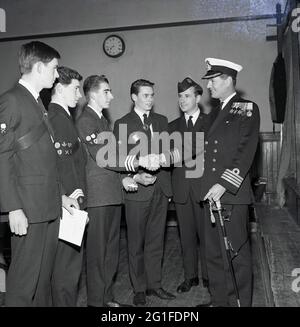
<point>141,114</point>
<point>100,115</point>
<point>227,100</point>
<point>34,93</point>
<point>63,106</point>
<point>195,116</point>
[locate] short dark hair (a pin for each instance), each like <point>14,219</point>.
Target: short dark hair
<point>136,85</point>
<point>65,76</point>
<point>92,83</point>
<point>32,52</point>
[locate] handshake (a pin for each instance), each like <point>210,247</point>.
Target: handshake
<point>152,161</point>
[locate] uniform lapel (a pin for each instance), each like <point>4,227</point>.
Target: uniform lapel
<point>136,118</point>
<point>182,124</point>
<point>155,122</point>
<point>58,108</point>
<point>222,114</point>
<point>26,93</point>
<point>92,113</point>
<point>199,123</point>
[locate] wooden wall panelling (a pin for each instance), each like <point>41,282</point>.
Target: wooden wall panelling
<point>267,162</point>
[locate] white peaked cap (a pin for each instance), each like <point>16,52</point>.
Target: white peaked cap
<point>217,67</point>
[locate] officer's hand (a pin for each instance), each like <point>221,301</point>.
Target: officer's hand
<point>215,193</point>
<point>69,203</point>
<point>18,222</point>
<point>129,184</point>
<point>145,179</point>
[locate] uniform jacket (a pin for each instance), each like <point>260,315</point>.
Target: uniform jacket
<point>28,178</point>
<point>229,151</point>
<point>71,154</point>
<point>134,127</point>
<point>103,185</point>
<point>182,185</point>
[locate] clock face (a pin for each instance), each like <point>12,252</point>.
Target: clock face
<point>114,46</point>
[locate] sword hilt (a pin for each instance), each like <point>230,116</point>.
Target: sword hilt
<point>218,205</point>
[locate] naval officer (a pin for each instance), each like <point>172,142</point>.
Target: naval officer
<point>229,152</point>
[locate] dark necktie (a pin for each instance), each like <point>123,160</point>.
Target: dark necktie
<point>190,124</point>
<point>147,122</point>
<point>46,118</point>
<point>190,127</point>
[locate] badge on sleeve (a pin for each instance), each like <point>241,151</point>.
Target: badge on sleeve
<point>3,128</point>
<point>92,138</point>
<point>57,145</point>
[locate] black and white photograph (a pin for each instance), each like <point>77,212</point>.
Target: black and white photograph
<point>149,156</point>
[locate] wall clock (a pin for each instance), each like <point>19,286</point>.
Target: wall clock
<point>113,46</point>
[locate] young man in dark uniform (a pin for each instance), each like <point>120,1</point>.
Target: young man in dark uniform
<point>146,209</point>
<point>30,188</point>
<point>230,148</point>
<point>190,214</point>
<point>71,166</point>
<point>104,196</point>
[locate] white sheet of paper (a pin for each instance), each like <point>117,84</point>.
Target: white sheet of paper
<point>72,227</point>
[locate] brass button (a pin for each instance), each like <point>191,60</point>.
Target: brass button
<point>214,160</point>
<point>214,169</point>
<point>215,150</point>
<point>216,142</point>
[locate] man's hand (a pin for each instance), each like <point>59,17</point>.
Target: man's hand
<point>150,161</point>
<point>145,179</point>
<point>129,184</point>
<point>18,222</point>
<point>162,160</point>
<point>69,203</point>
<point>215,193</point>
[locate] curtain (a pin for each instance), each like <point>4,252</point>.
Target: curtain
<point>287,164</point>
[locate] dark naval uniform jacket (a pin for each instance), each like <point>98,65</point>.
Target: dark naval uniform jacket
<point>134,127</point>
<point>28,176</point>
<point>180,184</point>
<point>103,185</point>
<point>72,156</point>
<point>229,151</point>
